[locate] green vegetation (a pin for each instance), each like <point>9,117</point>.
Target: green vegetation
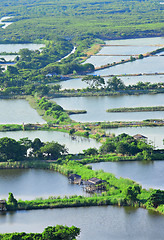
<point>35,69</point>
<point>126,144</point>
<point>94,81</point>
<point>49,233</point>
<point>12,150</point>
<point>53,110</point>
<point>122,147</point>
<point>113,87</point>
<point>115,19</point>
<point>120,191</point>
<point>137,109</point>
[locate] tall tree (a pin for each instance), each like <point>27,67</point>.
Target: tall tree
<point>115,84</point>
<point>94,81</point>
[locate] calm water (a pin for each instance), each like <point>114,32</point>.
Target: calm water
<point>149,175</point>
<point>146,65</point>
<point>98,61</point>
<point>76,83</point>
<point>154,134</point>
<point>74,146</point>
<point>149,78</point>
<point>138,41</point>
<point>18,111</point>
<point>127,50</point>
<point>8,57</point>
<point>96,107</point>
<point>16,47</point>
<point>29,184</point>
<point>125,47</point>
<point>96,223</point>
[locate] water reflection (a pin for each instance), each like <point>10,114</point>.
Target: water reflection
<point>96,107</point>
<point>148,174</point>
<point>29,184</point>
<point>18,111</point>
<point>95,222</point>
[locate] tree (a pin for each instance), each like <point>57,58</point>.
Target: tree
<point>11,149</point>
<point>60,233</point>
<point>25,54</point>
<point>131,192</point>
<point>72,131</point>
<point>94,81</point>
<point>122,147</point>
<point>54,150</point>
<point>90,151</point>
<point>25,142</point>
<point>107,147</point>
<point>156,198</point>
<point>36,144</point>
<point>12,202</point>
<point>12,70</point>
<point>140,56</point>
<point>115,84</point>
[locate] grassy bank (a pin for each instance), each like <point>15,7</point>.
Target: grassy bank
<point>119,192</point>
<point>137,109</point>
<point>86,93</point>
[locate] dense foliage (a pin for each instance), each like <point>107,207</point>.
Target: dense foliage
<point>54,110</point>
<point>41,19</point>
<point>49,233</point>
<point>12,150</point>
<point>126,144</point>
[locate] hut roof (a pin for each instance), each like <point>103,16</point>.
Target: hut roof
<point>95,180</point>
<point>139,136</point>
<point>74,176</point>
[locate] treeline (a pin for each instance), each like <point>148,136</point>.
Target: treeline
<point>115,19</point>
<point>68,68</point>
<point>50,233</point>
<point>12,150</point>
<point>126,145</point>
<point>116,84</point>
<point>23,149</point>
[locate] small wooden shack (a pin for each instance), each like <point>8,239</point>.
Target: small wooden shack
<point>140,137</point>
<point>94,184</point>
<point>3,205</point>
<point>75,179</point>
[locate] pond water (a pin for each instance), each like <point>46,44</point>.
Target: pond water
<point>144,78</point>
<point>76,145</point>
<point>146,65</point>
<point>8,57</point>
<point>154,41</point>
<point>127,50</point>
<point>76,83</point>
<point>5,24</point>
<point>14,48</point>
<point>98,61</point>
<point>27,184</point>
<point>96,223</point>
<point>123,49</point>
<point>148,174</point>
<point>96,107</point>
<point>154,134</point>
<point>18,111</point>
